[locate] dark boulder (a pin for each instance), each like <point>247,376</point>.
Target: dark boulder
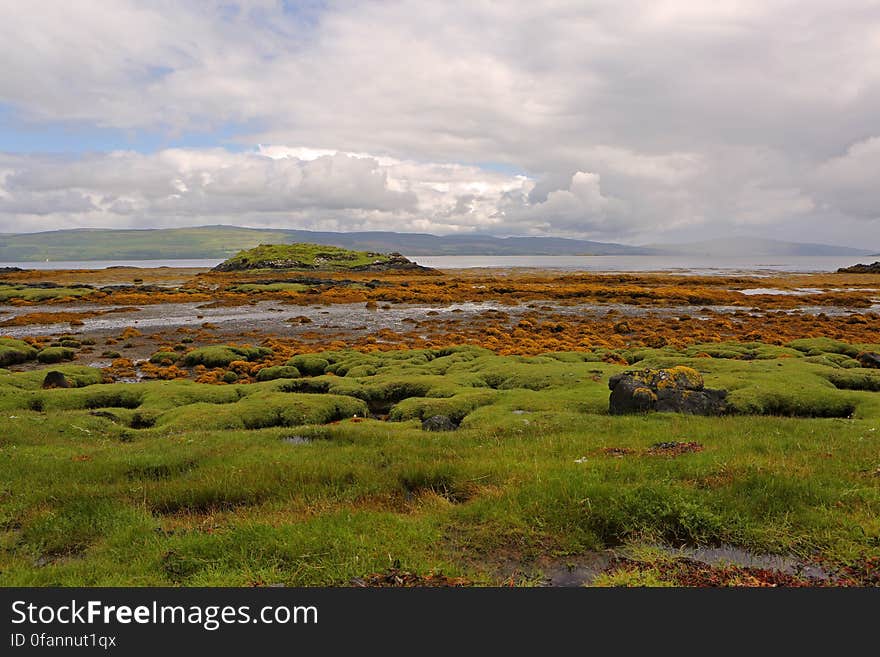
<point>55,379</point>
<point>439,423</point>
<point>873,268</point>
<point>677,389</point>
<point>869,359</point>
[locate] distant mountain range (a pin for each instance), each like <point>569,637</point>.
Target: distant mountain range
<point>224,241</point>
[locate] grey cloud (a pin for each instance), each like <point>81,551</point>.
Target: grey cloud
<point>851,182</point>
<point>56,202</point>
<point>580,208</point>
<point>692,116</point>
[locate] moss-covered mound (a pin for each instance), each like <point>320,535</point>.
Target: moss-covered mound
<point>15,351</point>
<point>442,458</point>
<point>42,292</point>
<point>55,354</point>
<point>218,355</point>
<point>314,257</point>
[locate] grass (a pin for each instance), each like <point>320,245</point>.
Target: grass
<point>15,351</point>
<point>290,480</point>
<point>217,355</point>
<point>301,256</point>
<point>278,372</point>
<point>55,354</point>
<point>34,294</point>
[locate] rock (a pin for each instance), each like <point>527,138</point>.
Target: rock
<point>439,423</point>
<point>55,379</point>
<point>869,359</point>
<point>873,268</point>
<point>677,389</point>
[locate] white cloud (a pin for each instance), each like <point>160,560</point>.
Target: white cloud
<point>197,183</point>
<point>629,118</point>
<point>581,208</point>
<point>277,185</point>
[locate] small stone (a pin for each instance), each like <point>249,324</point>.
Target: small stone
<point>439,423</point>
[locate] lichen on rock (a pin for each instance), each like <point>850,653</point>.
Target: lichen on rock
<point>677,389</point>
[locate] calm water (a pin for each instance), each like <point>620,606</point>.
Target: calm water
<point>683,264</point>
<point>103,264</point>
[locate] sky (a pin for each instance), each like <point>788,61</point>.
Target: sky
<point>636,122</point>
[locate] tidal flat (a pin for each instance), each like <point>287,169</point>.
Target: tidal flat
<point>280,428</point>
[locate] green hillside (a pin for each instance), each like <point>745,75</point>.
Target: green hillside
<point>225,241</point>
<point>313,257</point>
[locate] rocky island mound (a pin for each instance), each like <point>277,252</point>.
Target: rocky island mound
<point>316,257</point>
<point>873,268</point>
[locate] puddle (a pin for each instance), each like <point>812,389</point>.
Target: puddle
<point>728,554</point>
<point>576,571</point>
<point>582,570</point>
<point>570,571</point>
<point>776,292</point>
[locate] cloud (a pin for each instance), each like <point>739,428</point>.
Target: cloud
<point>273,186</point>
<point>581,208</point>
<point>626,119</point>
<point>196,183</point>
<point>851,182</point>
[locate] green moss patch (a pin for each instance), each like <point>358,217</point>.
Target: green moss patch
<point>164,358</point>
<point>56,354</point>
<point>309,365</point>
<point>223,355</point>
<point>26,293</point>
<point>290,481</point>
<point>13,352</point>
<point>308,257</point>
<point>268,410</point>
<point>278,372</point>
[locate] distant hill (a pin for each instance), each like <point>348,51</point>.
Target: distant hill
<point>225,241</point>
<point>755,246</point>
